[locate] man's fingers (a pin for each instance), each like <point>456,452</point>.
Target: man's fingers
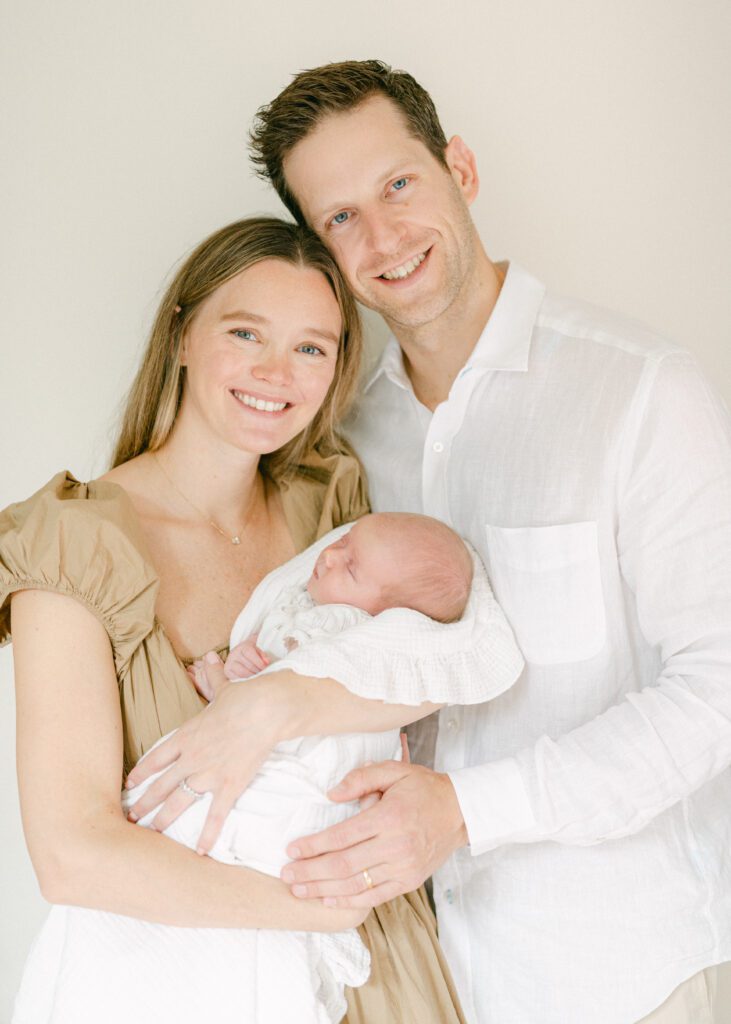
<point>338,837</point>
<point>369,897</point>
<point>158,759</point>
<point>354,885</point>
<point>339,866</point>
<point>367,780</point>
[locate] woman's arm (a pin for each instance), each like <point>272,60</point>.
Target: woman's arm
<point>69,768</point>
<point>220,749</point>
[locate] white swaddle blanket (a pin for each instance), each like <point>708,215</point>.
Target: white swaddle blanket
<point>84,962</point>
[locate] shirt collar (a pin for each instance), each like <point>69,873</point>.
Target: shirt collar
<point>505,341</point>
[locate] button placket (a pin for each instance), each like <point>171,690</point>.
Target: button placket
<point>445,423</point>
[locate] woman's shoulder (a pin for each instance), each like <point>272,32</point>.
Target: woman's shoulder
<point>83,540</point>
<point>326,490</point>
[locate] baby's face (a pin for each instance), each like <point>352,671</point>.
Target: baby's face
<point>356,569</point>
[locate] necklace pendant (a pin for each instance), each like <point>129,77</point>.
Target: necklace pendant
<point>235,540</point>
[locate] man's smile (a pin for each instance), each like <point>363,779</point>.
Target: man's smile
<point>409,270</point>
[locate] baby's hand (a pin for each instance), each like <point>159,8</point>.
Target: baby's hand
<point>245,659</point>
<point>196,671</point>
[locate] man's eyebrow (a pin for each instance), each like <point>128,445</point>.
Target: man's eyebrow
<point>332,209</point>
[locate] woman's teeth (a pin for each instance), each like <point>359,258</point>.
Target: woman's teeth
<point>405,269</point>
<point>259,403</point>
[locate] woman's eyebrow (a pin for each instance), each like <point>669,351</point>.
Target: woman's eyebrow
<point>242,314</point>
<point>325,335</point>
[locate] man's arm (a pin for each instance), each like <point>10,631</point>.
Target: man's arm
<point>609,777</point>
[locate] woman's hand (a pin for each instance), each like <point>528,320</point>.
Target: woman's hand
<point>218,751</point>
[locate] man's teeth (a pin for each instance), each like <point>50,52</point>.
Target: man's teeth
<point>405,269</point>
<point>259,403</point>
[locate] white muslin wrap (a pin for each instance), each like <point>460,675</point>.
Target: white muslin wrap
<point>89,965</point>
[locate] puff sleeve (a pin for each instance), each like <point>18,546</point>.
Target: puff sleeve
<point>327,491</point>
<point>81,540</point>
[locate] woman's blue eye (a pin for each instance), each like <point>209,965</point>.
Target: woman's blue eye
<point>244,334</point>
<point>311,350</point>
<point>340,218</point>
<point>399,184</point>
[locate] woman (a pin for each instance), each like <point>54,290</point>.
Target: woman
<point>226,466</point>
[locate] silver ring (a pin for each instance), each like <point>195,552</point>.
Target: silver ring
<point>183,784</point>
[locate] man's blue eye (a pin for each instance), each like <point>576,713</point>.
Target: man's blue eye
<point>340,218</point>
<point>401,183</point>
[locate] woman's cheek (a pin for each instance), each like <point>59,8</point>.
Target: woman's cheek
<point>318,386</point>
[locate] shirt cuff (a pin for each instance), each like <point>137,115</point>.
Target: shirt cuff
<point>494,805</point>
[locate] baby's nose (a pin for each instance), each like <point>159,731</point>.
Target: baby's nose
<point>330,555</point>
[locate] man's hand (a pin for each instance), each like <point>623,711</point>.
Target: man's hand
<point>394,844</point>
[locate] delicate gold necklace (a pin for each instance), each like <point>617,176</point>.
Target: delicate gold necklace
<point>235,539</point>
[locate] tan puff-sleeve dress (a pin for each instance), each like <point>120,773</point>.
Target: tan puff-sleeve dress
<point>84,540</point>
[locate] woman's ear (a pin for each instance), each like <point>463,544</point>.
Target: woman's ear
<point>183,341</point>
<point>463,168</point>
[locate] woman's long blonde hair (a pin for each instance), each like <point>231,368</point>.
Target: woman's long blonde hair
<point>155,395</point>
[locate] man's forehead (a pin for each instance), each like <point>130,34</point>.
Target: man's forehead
<point>349,149</point>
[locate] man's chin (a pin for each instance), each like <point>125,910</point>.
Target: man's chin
<point>406,309</point>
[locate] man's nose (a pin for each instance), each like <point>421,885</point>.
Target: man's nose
<point>273,367</point>
<point>384,231</point>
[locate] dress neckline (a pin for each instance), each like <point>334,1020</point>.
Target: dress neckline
<point>92,487</point>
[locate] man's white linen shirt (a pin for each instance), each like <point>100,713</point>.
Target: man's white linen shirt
<point>589,463</point>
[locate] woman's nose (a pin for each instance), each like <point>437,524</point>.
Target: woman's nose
<point>274,368</point>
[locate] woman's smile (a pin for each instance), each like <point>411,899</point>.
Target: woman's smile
<point>259,404</point>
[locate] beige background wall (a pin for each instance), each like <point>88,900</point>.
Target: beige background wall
<point>603,131</point>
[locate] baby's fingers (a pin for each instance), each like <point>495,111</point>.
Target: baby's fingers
<point>239,668</point>
<point>196,673</point>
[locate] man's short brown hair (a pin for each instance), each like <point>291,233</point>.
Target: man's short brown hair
<point>334,89</point>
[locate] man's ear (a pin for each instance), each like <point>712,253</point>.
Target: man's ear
<point>463,168</point>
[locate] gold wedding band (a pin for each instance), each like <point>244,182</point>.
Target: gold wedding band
<point>367,879</point>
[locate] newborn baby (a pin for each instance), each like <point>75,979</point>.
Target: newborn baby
<point>378,606</point>
<point>386,560</point>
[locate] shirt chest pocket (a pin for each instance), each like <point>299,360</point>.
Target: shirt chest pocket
<point>548,581</point>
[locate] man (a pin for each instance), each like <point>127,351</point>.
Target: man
<point>582,873</point>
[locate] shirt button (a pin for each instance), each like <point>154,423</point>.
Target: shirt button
<point>452,724</point>
<point>449,896</point>
<point>438,447</point>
